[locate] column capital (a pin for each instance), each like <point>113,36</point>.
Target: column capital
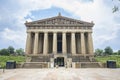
<point>28,32</point>
<point>73,32</point>
<point>90,32</point>
<point>55,32</point>
<point>64,32</point>
<point>36,32</point>
<point>82,32</point>
<point>45,32</point>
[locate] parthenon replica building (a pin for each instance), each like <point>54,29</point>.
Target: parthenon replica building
<point>59,41</point>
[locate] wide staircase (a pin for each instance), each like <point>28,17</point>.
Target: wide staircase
<point>80,59</point>
<point>44,61</point>
<point>37,62</point>
<point>85,62</point>
<point>40,59</point>
<point>91,65</point>
<point>35,65</point>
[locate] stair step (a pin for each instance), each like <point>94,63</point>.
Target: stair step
<point>35,65</point>
<point>90,65</point>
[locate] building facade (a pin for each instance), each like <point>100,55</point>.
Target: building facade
<point>59,41</point>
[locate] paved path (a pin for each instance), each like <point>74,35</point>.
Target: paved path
<point>61,74</point>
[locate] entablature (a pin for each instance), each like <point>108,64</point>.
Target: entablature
<point>60,27</point>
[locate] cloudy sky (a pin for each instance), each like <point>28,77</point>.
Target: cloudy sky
<point>14,13</point>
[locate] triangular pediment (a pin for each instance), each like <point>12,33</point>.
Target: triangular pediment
<point>60,20</point>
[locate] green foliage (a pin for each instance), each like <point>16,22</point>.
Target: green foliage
<point>103,59</point>
<point>20,51</point>
<point>115,53</point>
<point>11,49</point>
<point>115,9</point>
<point>4,59</point>
<point>98,52</point>
<point>118,52</point>
<point>116,6</point>
<point>108,51</point>
<point>4,52</point>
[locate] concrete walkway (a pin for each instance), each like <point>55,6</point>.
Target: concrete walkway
<point>61,74</point>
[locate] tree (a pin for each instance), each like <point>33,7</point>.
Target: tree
<point>116,6</point>
<point>4,52</point>
<point>98,52</point>
<point>108,51</point>
<point>20,51</point>
<point>115,9</point>
<point>11,49</point>
<point>118,52</point>
<point>115,53</point>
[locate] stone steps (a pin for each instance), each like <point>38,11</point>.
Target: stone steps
<point>80,59</point>
<point>35,65</point>
<point>91,65</point>
<point>40,59</point>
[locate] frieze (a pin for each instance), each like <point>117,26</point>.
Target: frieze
<point>51,27</point>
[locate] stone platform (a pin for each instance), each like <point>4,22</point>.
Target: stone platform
<point>69,61</point>
<point>61,74</point>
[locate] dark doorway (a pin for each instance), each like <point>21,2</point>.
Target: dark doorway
<point>59,43</point>
<point>59,61</point>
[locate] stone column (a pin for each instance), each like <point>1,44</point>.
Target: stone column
<point>40,44</point>
<point>82,40</point>
<point>73,44</point>
<point>45,48</point>
<point>28,43</point>
<point>64,48</point>
<point>54,42</point>
<point>35,51</point>
<point>90,43</point>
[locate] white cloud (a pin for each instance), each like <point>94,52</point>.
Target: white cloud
<point>105,28</point>
<point>17,37</point>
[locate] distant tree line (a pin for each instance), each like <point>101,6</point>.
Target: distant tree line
<point>107,51</point>
<point>11,51</point>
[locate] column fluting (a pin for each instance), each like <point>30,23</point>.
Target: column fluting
<point>28,43</point>
<point>54,42</point>
<point>36,42</point>
<point>45,48</point>
<point>64,47</point>
<point>90,43</point>
<point>73,43</point>
<point>82,40</point>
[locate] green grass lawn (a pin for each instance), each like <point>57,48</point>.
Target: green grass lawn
<point>103,59</point>
<point>18,59</point>
<point>4,59</point>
